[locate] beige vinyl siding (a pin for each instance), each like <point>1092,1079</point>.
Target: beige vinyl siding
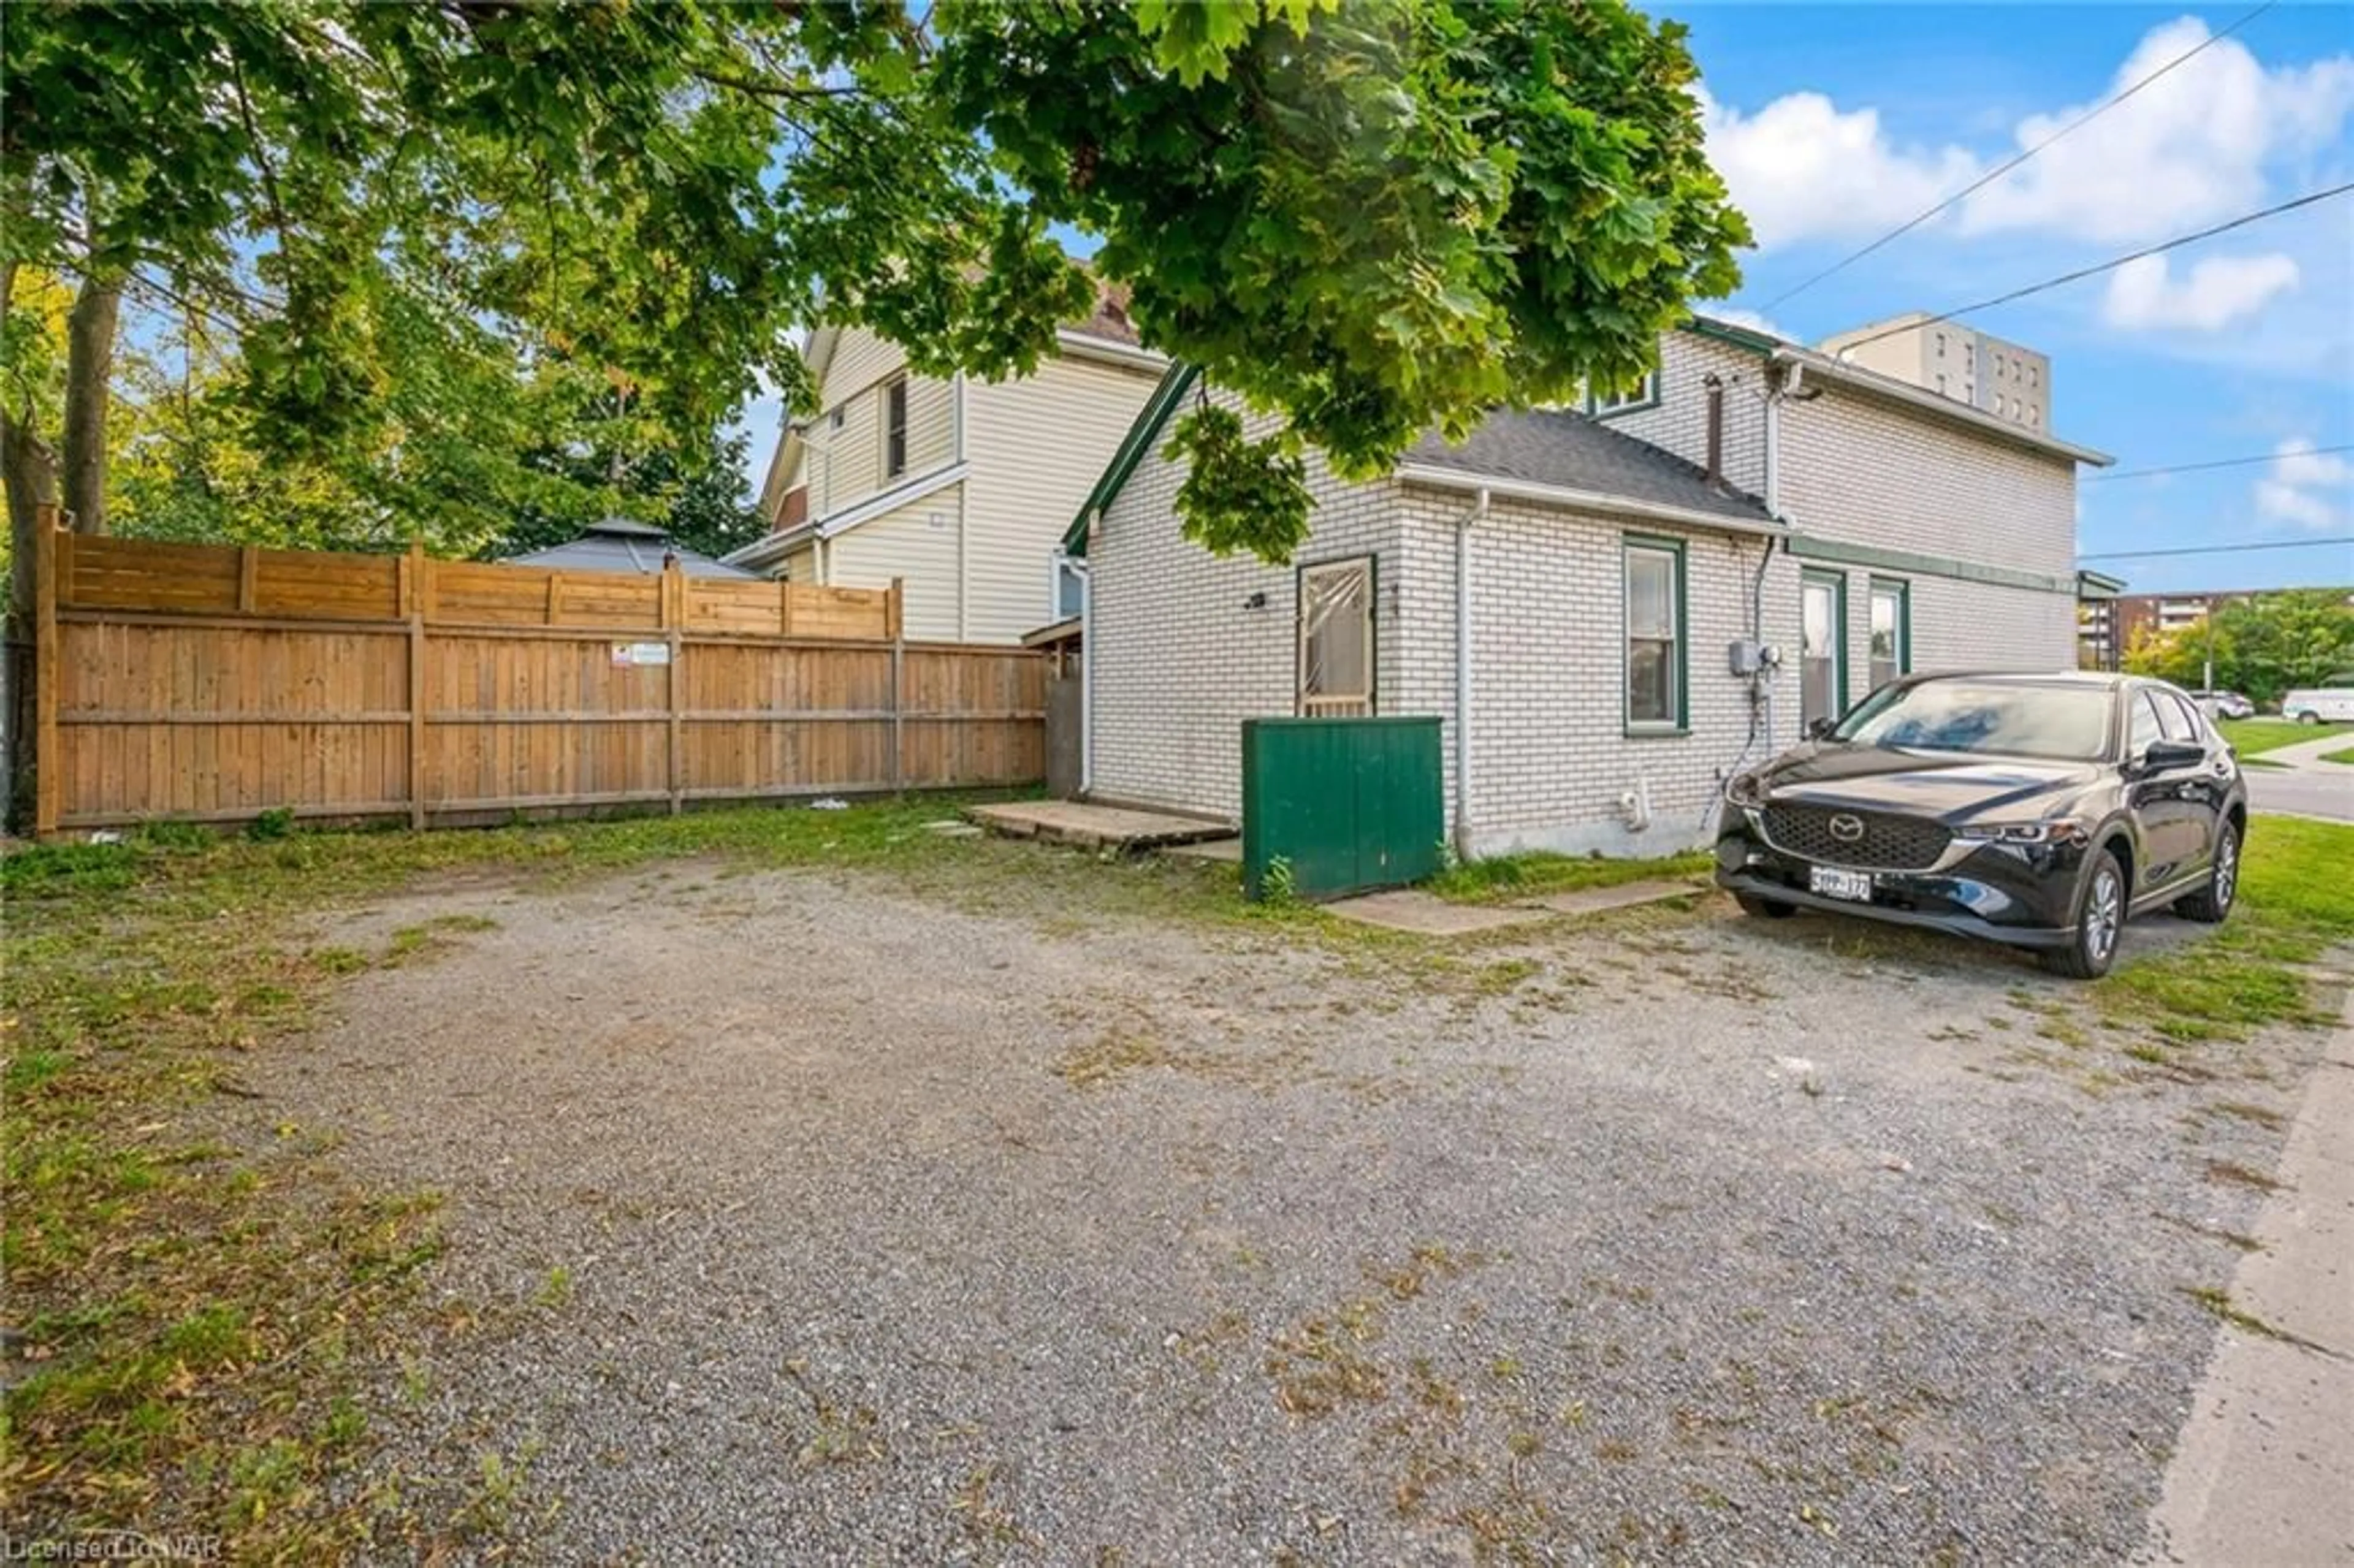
<point>845,465</point>
<point>800,566</point>
<point>1036,446</point>
<point>917,544</point>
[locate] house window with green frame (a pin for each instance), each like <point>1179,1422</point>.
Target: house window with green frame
<point>1822,646</point>
<point>1654,571</point>
<point>1891,630</point>
<point>1336,639</point>
<point>1643,394</point>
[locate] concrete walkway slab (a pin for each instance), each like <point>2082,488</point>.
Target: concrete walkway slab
<point>1624,895</point>
<point>2263,1472</point>
<point>1227,849</point>
<point>1426,915</point>
<point>1095,827</point>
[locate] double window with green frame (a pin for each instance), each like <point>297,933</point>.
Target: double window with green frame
<point>1655,631</point>
<point>1891,630</point>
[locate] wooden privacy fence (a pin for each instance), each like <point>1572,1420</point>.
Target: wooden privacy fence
<point>213,683</point>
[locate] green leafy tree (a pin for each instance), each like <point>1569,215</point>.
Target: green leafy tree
<point>2260,647</point>
<point>1368,220</point>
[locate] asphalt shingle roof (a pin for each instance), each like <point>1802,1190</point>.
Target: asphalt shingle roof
<point>1545,447</point>
<point>619,544</point>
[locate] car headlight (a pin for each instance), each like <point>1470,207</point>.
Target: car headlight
<point>1744,789</point>
<point>2050,830</point>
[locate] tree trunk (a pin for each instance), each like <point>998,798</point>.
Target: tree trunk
<point>28,467</point>
<point>90,372</point>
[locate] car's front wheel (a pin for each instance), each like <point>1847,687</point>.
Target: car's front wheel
<point>2100,921</point>
<point>2212,901</point>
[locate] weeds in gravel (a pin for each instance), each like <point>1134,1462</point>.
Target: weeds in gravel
<point>2231,1173</point>
<point>198,1299</point>
<point>2219,1305</point>
<point>1505,877</point>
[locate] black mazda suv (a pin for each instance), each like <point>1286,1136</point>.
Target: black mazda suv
<point>2039,810</point>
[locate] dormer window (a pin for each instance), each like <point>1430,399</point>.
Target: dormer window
<point>1644,394</point>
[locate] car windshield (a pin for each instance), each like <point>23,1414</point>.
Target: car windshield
<point>2004,719</point>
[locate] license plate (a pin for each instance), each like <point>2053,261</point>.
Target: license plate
<point>1830,883</point>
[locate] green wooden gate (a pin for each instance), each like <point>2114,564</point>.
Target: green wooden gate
<point>1345,803</point>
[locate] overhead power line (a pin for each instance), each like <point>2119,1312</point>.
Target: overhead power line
<point>1909,225</point>
<point>1910,323</point>
<point>2218,549</point>
<point>2218,463</point>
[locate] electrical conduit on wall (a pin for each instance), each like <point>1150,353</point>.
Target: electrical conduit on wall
<point>1463,673</point>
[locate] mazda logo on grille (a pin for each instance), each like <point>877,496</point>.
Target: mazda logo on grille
<point>1847,829</point>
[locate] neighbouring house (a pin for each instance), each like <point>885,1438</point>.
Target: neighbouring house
<point>620,545</point>
<point>958,488</point>
<point>1612,608</point>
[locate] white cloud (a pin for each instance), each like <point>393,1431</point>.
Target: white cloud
<point>2296,491</point>
<point>2295,463</point>
<point>1734,315</point>
<point>1801,167</point>
<point>2191,147</point>
<point>2212,293</point>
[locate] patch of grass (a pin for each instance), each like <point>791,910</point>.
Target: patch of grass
<point>2343,755</point>
<point>2295,904</point>
<point>2255,737</point>
<point>1501,878</point>
<point>2240,1110</point>
<point>1109,1056</point>
<point>2232,1173</point>
<point>2219,1305</point>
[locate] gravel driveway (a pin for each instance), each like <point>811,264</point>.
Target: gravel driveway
<point>805,1217</point>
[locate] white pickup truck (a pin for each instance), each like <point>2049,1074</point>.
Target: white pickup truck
<point>2332,702</point>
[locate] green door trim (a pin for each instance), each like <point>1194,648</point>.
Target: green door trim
<point>1903,591</point>
<point>1837,583</point>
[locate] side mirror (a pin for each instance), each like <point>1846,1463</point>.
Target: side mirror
<point>2165,753</point>
<point>1818,728</point>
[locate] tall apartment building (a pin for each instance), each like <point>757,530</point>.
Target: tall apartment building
<point>1990,374</point>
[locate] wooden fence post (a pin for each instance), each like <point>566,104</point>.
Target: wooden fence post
<point>413,570</point>
<point>893,624</point>
<point>249,579</point>
<point>784,607</point>
<point>674,605</point>
<point>48,767</point>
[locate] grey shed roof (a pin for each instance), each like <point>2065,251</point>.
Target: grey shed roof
<point>620,545</point>
<point>1546,446</point>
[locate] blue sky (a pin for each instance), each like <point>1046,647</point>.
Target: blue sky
<point>1833,124</point>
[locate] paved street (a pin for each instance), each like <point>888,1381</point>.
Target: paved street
<point>2303,784</point>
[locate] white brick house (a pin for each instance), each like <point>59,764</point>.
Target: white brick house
<point>1582,581</point>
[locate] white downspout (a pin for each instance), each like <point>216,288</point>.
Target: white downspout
<point>964,554</point>
<point>1463,674</point>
